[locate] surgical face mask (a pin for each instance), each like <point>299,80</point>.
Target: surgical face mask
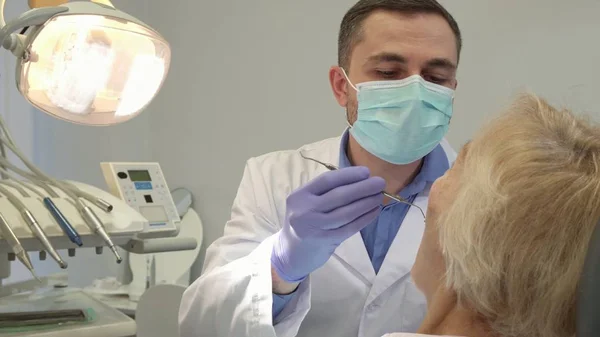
<point>401,121</point>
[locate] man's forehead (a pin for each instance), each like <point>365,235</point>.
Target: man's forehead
<point>398,33</point>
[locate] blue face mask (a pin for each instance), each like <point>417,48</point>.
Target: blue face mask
<point>401,121</point>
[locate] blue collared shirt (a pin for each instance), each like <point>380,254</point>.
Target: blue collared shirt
<point>379,235</point>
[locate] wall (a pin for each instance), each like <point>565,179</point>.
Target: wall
<point>545,46</point>
<point>249,77</point>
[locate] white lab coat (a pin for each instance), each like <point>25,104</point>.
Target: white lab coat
<point>344,298</point>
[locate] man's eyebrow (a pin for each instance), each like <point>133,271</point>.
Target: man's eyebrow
<point>441,63</point>
<point>387,57</point>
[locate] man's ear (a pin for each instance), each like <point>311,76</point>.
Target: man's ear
<point>339,85</point>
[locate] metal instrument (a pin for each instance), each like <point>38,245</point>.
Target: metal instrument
<point>397,198</point>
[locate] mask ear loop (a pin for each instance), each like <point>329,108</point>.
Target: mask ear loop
<point>353,87</point>
<point>348,79</point>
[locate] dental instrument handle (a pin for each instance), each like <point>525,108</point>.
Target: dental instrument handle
<point>98,202</point>
<point>103,205</point>
<point>33,226</point>
<point>16,246</point>
<point>397,198</point>
<point>37,230</point>
<point>63,222</point>
<point>402,200</point>
<point>97,227</point>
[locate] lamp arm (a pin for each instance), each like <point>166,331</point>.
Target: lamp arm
<point>33,17</point>
<point>104,2</point>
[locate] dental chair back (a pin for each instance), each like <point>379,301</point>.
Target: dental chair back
<point>588,302</point>
<point>158,310</point>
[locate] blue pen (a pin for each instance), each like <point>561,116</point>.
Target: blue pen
<point>63,222</point>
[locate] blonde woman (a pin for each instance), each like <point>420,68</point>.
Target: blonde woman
<point>508,227</point>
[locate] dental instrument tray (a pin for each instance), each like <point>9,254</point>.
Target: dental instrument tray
<point>121,223</point>
<point>61,312</point>
<point>22,319</point>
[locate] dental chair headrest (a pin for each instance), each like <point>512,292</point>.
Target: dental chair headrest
<point>588,301</point>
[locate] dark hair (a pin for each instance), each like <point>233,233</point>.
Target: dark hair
<point>351,26</point>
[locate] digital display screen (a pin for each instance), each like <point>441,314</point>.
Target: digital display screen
<point>139,175</point>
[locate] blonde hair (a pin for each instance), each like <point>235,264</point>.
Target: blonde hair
<point>515,237</point>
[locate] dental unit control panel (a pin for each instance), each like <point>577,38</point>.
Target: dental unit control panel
<point>144,187</point>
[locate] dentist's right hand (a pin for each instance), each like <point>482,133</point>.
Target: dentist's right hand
<point>320,216</point>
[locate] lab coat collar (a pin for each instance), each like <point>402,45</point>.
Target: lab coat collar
<point>354,255</point>
<point>344,161</point>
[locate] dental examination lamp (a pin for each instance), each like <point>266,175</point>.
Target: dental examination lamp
<point>87,63</point>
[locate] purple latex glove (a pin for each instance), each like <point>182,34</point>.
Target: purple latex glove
<point>320,216</point>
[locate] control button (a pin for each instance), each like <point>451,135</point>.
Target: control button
<point>372,307</point>
<point>122,175</point>
<point>148,198</point>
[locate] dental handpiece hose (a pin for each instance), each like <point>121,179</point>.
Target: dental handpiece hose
<point>60,218</point>
<point>40,178</point>
<point>37,230</point>
<point>98,202</point>
<point>97,227</point>
<point>34,226</point>
<point>90,218</point>
<point>16,246</point>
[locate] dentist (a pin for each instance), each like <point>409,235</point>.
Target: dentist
<point>310,252</point>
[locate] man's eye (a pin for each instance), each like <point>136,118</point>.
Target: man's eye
<point>387,74</point>
<point>435,79</point>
